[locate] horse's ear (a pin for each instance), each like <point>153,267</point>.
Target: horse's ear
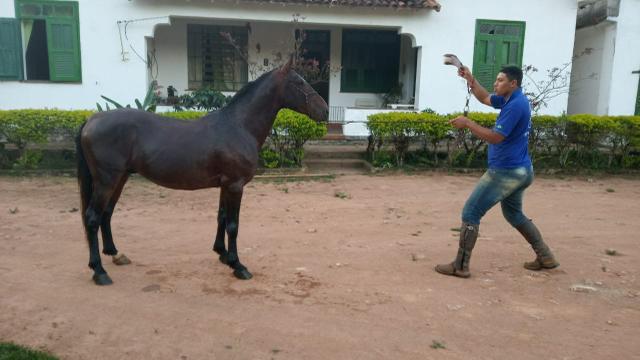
<point>288,66</point>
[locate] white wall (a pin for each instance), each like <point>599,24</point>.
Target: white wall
<point>407,69</point>
<point>548,42</point>
<point>602,81</point>
<point>624,84</point>
<point>7,8</point>
<point>592,69</point>
<point>103,70</point>
<point>356,125</point>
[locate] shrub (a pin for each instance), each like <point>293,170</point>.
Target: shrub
<point>206,99</point>
<point>584,140</point>
<point>23,127</point>
<point>185,115</point>
<point>291,130</point>
<point>581,140</point>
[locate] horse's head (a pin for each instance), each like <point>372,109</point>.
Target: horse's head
<point>299,96</point>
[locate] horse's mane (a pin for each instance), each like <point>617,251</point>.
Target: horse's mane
<point>251,87</point>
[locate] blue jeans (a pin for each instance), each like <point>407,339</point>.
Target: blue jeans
<point>505,186</point>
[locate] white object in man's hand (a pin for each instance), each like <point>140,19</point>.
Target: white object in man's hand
<point>450,59</point>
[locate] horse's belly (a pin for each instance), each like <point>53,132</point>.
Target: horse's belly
<point>183,180</point>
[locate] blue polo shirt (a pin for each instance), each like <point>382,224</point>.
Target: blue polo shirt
<point>514,122</point>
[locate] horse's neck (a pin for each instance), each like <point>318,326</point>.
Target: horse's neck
<point>256,115</point>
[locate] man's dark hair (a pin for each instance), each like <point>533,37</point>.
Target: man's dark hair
<point>513,73</point>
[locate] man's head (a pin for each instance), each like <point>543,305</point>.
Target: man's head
<point>508,80</point>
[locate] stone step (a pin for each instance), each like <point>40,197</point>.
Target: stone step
<point>333,128</point>
<point>337,166</point>
<point>328,150</point>
<point>347,154</point>
<point>336,136</point>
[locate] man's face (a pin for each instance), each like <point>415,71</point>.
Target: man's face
<point>503,86</point>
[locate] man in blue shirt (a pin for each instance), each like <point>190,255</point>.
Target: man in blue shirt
<point>510,171</point>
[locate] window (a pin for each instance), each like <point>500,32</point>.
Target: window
<point>498,44</point>
<point>10,50</point>
<point>316,46</point>
<point>212,61</point>
<point>370,60</point>
<point>46,34</point>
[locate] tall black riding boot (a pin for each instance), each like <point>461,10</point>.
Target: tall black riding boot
<point>460,266</point>
<point>544,258</point>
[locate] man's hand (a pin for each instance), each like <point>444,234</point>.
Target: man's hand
<point>482,132</point>
<point>478,91</point>
<point>460,122</point>
<point>465,73</point>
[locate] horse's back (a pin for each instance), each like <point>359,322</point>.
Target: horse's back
<point>115,136</point>
<point>170,152</point>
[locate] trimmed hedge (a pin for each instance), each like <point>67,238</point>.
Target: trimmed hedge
<point>284,146</point>
<point>581,140</point>
<point>290,132</point>
<point>21,128</point>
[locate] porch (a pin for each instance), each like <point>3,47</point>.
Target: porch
<point>360,70</point>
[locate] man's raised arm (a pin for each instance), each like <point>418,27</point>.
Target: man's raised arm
<point>478,91</point>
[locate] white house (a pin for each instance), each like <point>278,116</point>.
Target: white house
<point>606,72</point>
<point>65,54</point>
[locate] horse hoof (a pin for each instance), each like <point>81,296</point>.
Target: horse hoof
<point>102,279</point>
<point>242,274</point>
<point>121,259</point>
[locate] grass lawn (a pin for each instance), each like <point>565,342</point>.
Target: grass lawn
<point>9,351</point>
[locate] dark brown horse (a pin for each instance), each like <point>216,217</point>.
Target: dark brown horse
<point>218,150</point>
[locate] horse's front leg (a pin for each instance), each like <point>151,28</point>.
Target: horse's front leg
<point>232,199</point>
<point>218,244</point>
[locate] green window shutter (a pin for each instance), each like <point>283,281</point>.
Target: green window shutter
<point>497,44</point>
<point>370,60</point>
<point>10,50</point>
<point>484,62</point>
<point>64,49</point>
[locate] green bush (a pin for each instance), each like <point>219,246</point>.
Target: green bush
<point>575,141</point>
<point>400,128</point>
<point>206,99</point>
<point>291,130</point>
<point>28,160</point>
<point>185,115</point>
<point>23,127</point>
<point>587,141</point>
<point>12,351</point>
<point>269,159</point>
<point>284,146</point>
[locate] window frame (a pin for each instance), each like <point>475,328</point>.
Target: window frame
<point>498,39</point>
<point>74,20</point>
<point>360,86</point>
<point>215,29</point>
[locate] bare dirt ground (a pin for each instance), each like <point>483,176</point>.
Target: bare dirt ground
<point>334,278</point>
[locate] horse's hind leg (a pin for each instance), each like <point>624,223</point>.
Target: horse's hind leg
<point>102,192</point>
<point>218,244</point>
<point>109,248</point>
<point>232,199</point>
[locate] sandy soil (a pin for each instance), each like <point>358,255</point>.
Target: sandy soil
<point>334,278</point>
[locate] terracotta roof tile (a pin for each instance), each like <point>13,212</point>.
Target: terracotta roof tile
<point>401,4</point>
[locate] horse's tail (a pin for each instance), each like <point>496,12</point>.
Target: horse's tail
<point>85,180</point>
